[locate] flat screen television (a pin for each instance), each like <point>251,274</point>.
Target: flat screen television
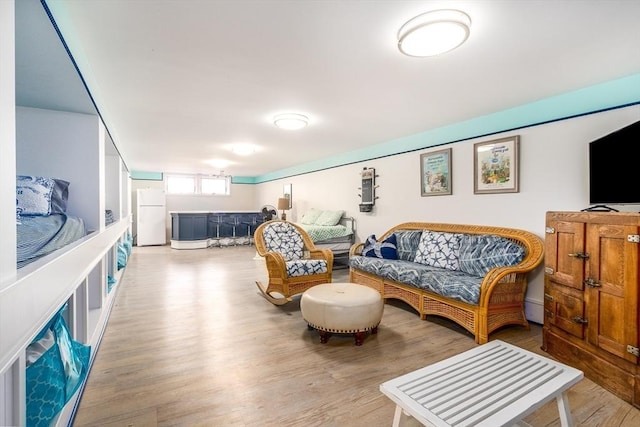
<point>614,170</point>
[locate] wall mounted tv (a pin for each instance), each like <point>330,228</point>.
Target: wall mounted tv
<point>614,172</point>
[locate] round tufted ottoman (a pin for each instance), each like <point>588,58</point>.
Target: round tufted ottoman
<point>344,308</point>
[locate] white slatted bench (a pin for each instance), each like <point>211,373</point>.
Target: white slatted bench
<point>495,384</point>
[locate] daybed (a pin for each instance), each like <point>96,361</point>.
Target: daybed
<point>330,229</point>
<point>42,224</point>
<point>473,275</point>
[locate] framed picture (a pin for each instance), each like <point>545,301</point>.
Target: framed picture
<point>495,166</point>
<point>286,193</point>
<point>435,173</point>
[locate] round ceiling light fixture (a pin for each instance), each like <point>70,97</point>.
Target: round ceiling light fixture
<point>290,121</point>
<point>434,33</point>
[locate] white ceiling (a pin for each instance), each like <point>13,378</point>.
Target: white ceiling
<point>177,81</point>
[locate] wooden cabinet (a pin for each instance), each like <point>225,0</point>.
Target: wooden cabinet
<point>591,297</point>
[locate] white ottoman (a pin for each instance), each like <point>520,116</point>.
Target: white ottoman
<point>344,308</point>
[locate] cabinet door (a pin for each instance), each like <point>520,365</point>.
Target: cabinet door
<point>611,294</point>
<point>564,251</point>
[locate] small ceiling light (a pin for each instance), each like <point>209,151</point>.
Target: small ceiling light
<point>243,149</point>
<point>290,121</point>
<point>219,163</point>
<point>434,32</point>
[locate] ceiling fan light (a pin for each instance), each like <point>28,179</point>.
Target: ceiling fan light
<point>434,33</point>
<point>290,121</point>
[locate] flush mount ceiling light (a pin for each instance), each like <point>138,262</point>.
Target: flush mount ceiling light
<point>243,149</point>
<point>290,121</point>
<point>434,32</point>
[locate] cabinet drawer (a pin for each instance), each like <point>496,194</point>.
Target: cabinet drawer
<point>564,311</point>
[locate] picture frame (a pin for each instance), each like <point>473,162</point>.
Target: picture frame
<point>286,193</point>
<point>496,166</point>
<point>435,173</point>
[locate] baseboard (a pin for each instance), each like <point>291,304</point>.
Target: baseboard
<point>534,310</point>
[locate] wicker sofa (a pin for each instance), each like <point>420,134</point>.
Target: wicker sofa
<point>474,275</point>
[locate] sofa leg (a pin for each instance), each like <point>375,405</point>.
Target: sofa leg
<point>359,338</point>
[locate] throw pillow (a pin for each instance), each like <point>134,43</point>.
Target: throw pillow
<point>329,218</point>
<point>36,195</point>
<point>481,253</point>
<point>439,249</point>
<point>310,216</point>
<point>408,241</point>
<point>33,194</point>
<point>386,249</point>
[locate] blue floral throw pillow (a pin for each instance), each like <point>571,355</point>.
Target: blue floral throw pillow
<point>386,249</point>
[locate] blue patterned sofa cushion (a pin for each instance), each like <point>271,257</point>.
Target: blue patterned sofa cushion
<point>283,238</point>
<point>407,244</point>
<point>481,253</point>
<point>451,284</point>
<point>305,267</point>
<point>455,285</point>
<point>406,272</point>
<point>439,249</point>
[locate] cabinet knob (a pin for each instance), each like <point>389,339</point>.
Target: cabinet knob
<point>580,255</point>
<point>592,283</point>
<point>580,320</point>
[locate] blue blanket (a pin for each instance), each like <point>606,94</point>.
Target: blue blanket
<point>40,235</point>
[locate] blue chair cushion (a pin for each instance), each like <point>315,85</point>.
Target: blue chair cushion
<point>306,267</point>
<point>283,238</point>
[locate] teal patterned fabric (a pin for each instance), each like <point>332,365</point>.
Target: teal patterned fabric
<point>407,244</point>
<point>481,253</point>
<point>439,249</point>
<point>45,388</point>
<point>283,238</point>
<point>306,267</point>
<point>56,367</point>
<point>456,285</point>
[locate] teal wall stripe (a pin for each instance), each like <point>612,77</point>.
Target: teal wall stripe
<point>147,176</point>
<point>243,180</point>
<point>605,96</point>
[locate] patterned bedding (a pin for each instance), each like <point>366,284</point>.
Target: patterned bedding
<point>40,235</point>
<point>319,233</point>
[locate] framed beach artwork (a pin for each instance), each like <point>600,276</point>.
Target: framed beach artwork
<point>435,173</point>
<point>495,167</point>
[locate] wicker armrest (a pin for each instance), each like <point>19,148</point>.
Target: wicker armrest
<point>356,249</point>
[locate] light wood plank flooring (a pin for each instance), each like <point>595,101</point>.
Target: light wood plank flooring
<point>192,342</point>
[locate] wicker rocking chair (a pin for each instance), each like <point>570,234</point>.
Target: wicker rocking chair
<point>294,264</point>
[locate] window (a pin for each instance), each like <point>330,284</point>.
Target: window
<point>218,185</point>
<point>214,185</point>
<point>181,184</point>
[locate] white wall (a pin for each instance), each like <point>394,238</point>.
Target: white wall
<point>553,176</point>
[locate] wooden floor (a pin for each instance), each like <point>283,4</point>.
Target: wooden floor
<point>192,342</point>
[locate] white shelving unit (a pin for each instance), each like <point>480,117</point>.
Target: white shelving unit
<point>77,148</point>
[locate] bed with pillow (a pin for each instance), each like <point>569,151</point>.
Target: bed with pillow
<point>330,229</point>
<point>42,224</point>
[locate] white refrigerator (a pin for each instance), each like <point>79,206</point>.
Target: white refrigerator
<point>151,217</point>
